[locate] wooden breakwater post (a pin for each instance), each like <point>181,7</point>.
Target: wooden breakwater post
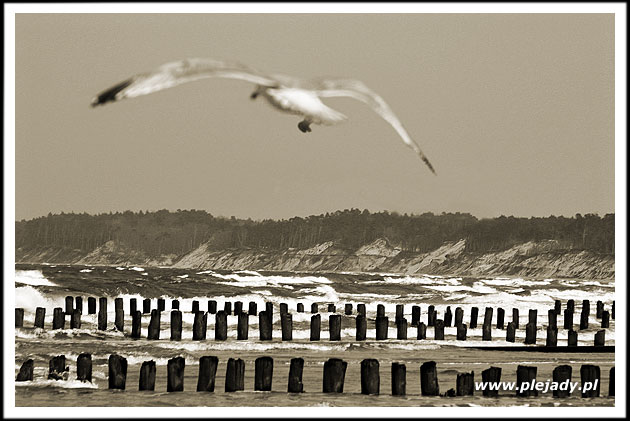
<point>295,376</point>
<point>26,371</point>
<point>78,303</point>
<point>491,375</point>
<point>227,307</point>
<point>571,305</point>
<point>530,333</point>
<point>562,377</point>
<point>590,377</point>
<point>207,373</point>
<point>599,309</point>
<point>431,316</point>
<point>334,375</point>
<point>118,304</point>
<point>347,309</point>
<point>161,304</point>
<point>583,320</point>
<point>238,308</point>
<point>136,324</point>
<point>174,305</point>
<point>600,338</point>
<point>331,308</point>
<point>611,382</point>
<point>146,306</point>
<point>57,368</point>
<point>510,332</point>
<point>572,338</point>
<point>586,307</point>
<point>286,322</point>
<point>401,329</point>
<point>465,384</point>
<point>40,316</point>
<point>235,375</point>
<point>252,309</point>
<point>380,310</point>
<point>314,308</point>
<point>533,316</point>
<point>242,329</point>
<point>552,336</point>
<point>212,307</point>
<point>487,316</point>
<point>284,308</point>
<point>264,326</point>
<point>200,326</point>
<point>119,320</point>
<point>133,305</point>
<point>474,313</point>
<point>75,319</point>
<point>117,371</point>
<point>486,332</point>
<point>515,317</point>
<point>605,319</point>
<point>59,319</point>
<point>552,318</point>
<point>382,325</point>
<point>399,379</point>
<point>147,376</point>
<point>91,305</point>
<point>316,325</point>
<point>220,326</point>
<point>415,315</point>
<point>500,318</point>
<point>422,331</point>
<point>269,311</point>
<point>102,313</point>
<point>175,374</point>
<point>195,306</point>
<point>334,327</point>
<point>439,330</point>
<point>557,307</point>
<point>263,374</point>
<point>176,325</point>
<point>459,316</point>
<point>568,319</point>
<point>429,379</point>
<point>448,317</point>
<point>19,317</point>
<point>525,374</point>
<point>461,332</point>
<point>370,379</point>
<point>154,325</point>
<point>69,304</point>
<point>400,311</point>
<point>361,309</point>
<point>299,308</point>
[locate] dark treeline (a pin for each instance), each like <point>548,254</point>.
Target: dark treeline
<point>164,232</point>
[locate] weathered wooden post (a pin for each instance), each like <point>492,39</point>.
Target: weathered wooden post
<point>264,326</point>
<point>136,323</point>
<point>491,375</point>
<point>284,308</point>
<point>57,369</point>
<point>422,331</point>
<point>429,379</point>
<point>381,328</point>
<point>583,320</point>
<point>91,305</point>
<point>78,304</point>
<point>415,315</point>
<point>552,318</point>
<point>242,329</point>
<point>40,315</point>
<point>370,379</point>
<point>572,339</point>
<point>487,317</point>
<point>530,333</point>
<point>153,332</point>
<point>295,376</point>
<point>102,313</point>
<point>19,317</point>
<point>59,319</point>
<point>474,313</point>
<point>227,307</point>
<point>299,308</point>
<point>361,309</point>
<point>161,304</point>
<point>568,319</point>
<point>117,371</point>
<point>263,374</point>
<point>400,311</point>
<point>175,374</point>
<point>286,321</point>
<point>75,319</point>
<point>510,335</point>
<point>486,332</point>
<point>600,309</point>
<point>399,379</point>
<point>461,331</point>
<point>69,305</point>
<point>133,305</point>
<point>238,308</point>
<point>146,306</point>
<point>147,376</point>
<point>465,384</point>
<point>571,305</point>
<point>235,375</point>
<point>589,375</point>
<point>459,316</point>
<point>334,327</point>
<point>174,304</point>
<point>119,320</point>
<point>176,325</point>
<point>431,316</point>
<point>605,319</point>
<point>252,309</point>
<point>380,310</point>
<point>118,304</point>
<point>500,318</point>
<point>26,372</point>
<point>600,338</point>
<point>611,382</point>
<point>552,336</point>
<point>334,375</point>
<point>316,324</point>
<point>515,317</point>
<point>347,310</point>
<point>195,306</point>
<point>586,307</point>
<point>533,316</point>
<point>212,307</point>
<point>331,308</point>
<point>525,374</point>
<point>557,307</point>
<point>448,317</point>
<point>401,329</point>
<point>207,373</point>
<point>200,325</point>
<point>269,311</point>
<point>439,330</point>
<point>562,377</point>
<point>314,308</point>
<point>220,326</point>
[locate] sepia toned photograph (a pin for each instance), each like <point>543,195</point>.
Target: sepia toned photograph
<point>404,210</point>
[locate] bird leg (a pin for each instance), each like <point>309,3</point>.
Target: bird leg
<point>254,94</point>
<point>304,126</point>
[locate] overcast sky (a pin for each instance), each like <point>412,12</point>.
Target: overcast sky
<point>516,113</point>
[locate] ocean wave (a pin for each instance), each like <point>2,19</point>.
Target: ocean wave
<point>65,384</point>
<point>32,277</point>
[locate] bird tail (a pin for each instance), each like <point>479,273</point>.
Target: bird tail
<point>109,95</point>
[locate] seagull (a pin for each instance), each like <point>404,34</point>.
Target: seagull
<point>286,93</point>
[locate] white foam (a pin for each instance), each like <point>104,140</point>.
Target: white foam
<point>32,277</point>
<point>66,384</point>
<point>137,269</point>
<point>86,270</point>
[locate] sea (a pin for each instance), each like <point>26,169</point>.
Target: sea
<point>47,285</point>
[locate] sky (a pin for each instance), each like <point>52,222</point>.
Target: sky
<point>515,112</point>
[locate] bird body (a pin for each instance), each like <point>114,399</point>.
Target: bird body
<point>285,93</point>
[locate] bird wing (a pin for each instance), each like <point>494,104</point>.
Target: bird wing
<point>178,72</point>
<point>357,90</point>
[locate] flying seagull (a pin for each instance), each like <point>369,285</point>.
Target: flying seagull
<point>286,93</point>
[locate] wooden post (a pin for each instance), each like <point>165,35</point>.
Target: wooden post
<point>491,375</point>
<point>118,304</point>
<point>370,379</point>
<point>269,311</point>
<point>57,369</point>
<point>102,313</point>
<point>316,324</point>
<point>533,316</point>
<point>347,309</point>
<point>487,317</point>
<point>439,330</point>
<point>26,372</point>
<point>415,315</point>
<point>381,328</point>
<point>40,315</point>
<point>331,308</point>
<point>429,379</point>
<point>295,376</point>
<point>146,306</point>
<point>75,319</point>
<point>175,374</point>
<point>448,317</point>
<point>59,319</point>
<point>361,309</point>
<point>263,374</point>
<point>252,309</point>
<point>571,305</point>
<point>461,332</point>
<point>195,306</point>
<point>515,317</point>
<point>117,372</point>
<point>611,382</point>
<point>284,308</point>
<point>465,384</point>
<point>299,308</point>
<point>600,309</point>
<point>227,307</point>
<point>583,321</point>
<point>568,319</point>
<point>530,333</point>
<point>242,329</point>
<point>238,308</point>
<point>147,376</point>
<point>221,325</point>
<point>586,307</point>
<point>207,373</point>
<point>334,327</point>
<point>399,379</point>
<point>136,324</point>
<point>612,310</point>
<point>486,332</point>
<point>200,325</point>
<point>174,304</point>
<point>235,375</point>
<point>431,316</point>
<point>334,375</point>
<point>510,335</point>
<point>552,318</point>
<point>500,318</point>
<point>19,317</point>
<point>380,310</point>
<point>525,374</point>
<point>212,307</point>
<point>133,305</point>
<point>572,339</point>
<point>401,329</point>
<point>264,326</point>
<point>161,304</point>
<point>474,312</point>
<point>459,316</point>
<point>119,320</point>
<point>400,312</point>
<point>154,325</point>
<point>590,377</point>
<point>91,305</point>
<point>552,336</point>
<point>176,325</point>
<point>78,304</point>
<point>422,331</point>
<point>69,305</point>
<point>286,321</point>
<point>314,308</point>
<point>557,307</point>
<point>600,338</point>
<point>562,377</point>
<point>605,319</point>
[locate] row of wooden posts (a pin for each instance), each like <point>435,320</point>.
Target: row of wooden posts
<point>333,376</point>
